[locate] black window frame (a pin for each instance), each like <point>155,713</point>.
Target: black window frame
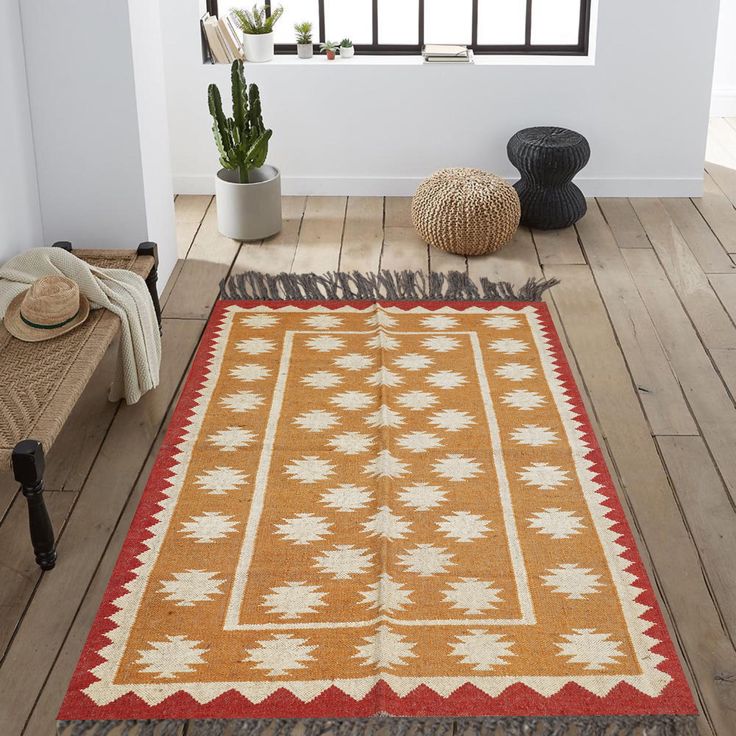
<point>382,49</point>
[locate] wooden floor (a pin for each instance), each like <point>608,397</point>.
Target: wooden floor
<point>647,309</point>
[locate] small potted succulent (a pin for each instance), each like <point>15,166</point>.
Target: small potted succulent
<point>347,50</point>
<point>248,190</point>
<point>329,48</point>
<point>257,27</point>
<point>304,47</point>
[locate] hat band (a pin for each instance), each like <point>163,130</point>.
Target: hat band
<point>48,327</point>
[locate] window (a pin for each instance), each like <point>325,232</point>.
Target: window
<point>404,26</point>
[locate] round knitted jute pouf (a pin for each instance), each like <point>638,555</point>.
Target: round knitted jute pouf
<point>466,211</point>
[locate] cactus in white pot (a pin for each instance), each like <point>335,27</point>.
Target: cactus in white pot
<point>248,191</point>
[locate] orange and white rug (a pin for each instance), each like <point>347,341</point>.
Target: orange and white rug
<point>371,509</point>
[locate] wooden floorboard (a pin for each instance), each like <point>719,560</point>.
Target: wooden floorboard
<point>624,223</point>
<point>645,310</point>
<point>19,573</point>
<point>706,394</point>
<point>276,254</point>
<point>404,249</point>
<point>700,239</point>
<point>210,259</point>
<point>190,211</point>
<point>714,326</point>
<point>709,515</point>
<point>362,240</point>
<point>320,238</point>
<point>43,715</point>
<point>558,246</point>
<point>398,212</point>
<point>106,490</point>
<point>676,568</point>
<point>718,212</point>
<point>720,157</point>
<point>653,377</point>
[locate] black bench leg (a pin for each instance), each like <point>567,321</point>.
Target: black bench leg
<point>151,249</point>
<point>28,467</point>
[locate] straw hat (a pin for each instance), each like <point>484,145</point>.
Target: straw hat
<point>51,307</point>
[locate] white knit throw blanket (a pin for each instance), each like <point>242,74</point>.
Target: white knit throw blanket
<point>123,292</point>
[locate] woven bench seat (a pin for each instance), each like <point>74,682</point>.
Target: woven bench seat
<point>41,383</point>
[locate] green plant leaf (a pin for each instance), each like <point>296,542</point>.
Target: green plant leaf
<point>257,153</point>
<point>240,95</point>
<point>241,140</point>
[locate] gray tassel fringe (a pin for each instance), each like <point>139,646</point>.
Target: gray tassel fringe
<point>388,285</point>
<point>661,725</point>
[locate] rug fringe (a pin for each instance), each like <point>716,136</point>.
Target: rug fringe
<point>661,725</point>
<point>389,285</point>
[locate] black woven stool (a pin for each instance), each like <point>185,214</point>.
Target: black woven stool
<point>548,158</point>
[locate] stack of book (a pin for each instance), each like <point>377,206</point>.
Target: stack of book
<point>222,40</point>
<point>442,53</point>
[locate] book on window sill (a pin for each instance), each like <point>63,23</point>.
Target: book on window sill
<point>207,55</point>
<point>466,59</point>
<point>216,44</point>
<point>231,44</point>
<point>236,36</point>
<point>445,51</point>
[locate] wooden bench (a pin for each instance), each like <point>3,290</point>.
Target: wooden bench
<point>41,382</point>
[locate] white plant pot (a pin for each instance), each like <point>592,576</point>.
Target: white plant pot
<point>249,211</point>
<point>347,52</point>
<point>258,46</point>
<point>305,50</point>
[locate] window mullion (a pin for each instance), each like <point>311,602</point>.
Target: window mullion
<point>584,28</point>
<point>322,37</point>
<point>421,24</point>
<point>375,22</point>
<point>474,31</point>
<point>528,28</point>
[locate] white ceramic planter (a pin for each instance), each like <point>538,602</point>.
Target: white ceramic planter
<point>305,50</point>
<point>258,46</point>
<point>249,211</point>
<point>347,52</point>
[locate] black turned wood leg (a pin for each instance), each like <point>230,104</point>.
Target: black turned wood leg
<point>28,467</point>
<point>151,249</point>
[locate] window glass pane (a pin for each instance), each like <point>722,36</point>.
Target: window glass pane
<point>555,21</point>
<point>351,19</point>
<point>296,11</point>
<point>501,22</point>
<point>398,21</point>
<point>225,6</point>
<point>448,22</point>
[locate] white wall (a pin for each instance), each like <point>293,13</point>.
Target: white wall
<point>153,129</point>
<point>95,84</point>
<point>358,128</point>
<point>724,77</point>
<point>20,214</point>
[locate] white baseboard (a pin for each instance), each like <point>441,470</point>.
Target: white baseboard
<point>406,186</point>
<point>723,103</point>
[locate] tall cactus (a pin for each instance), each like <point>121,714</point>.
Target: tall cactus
<point>241,140</point>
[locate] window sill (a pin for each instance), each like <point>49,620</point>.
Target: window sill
<point>412,60</point>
